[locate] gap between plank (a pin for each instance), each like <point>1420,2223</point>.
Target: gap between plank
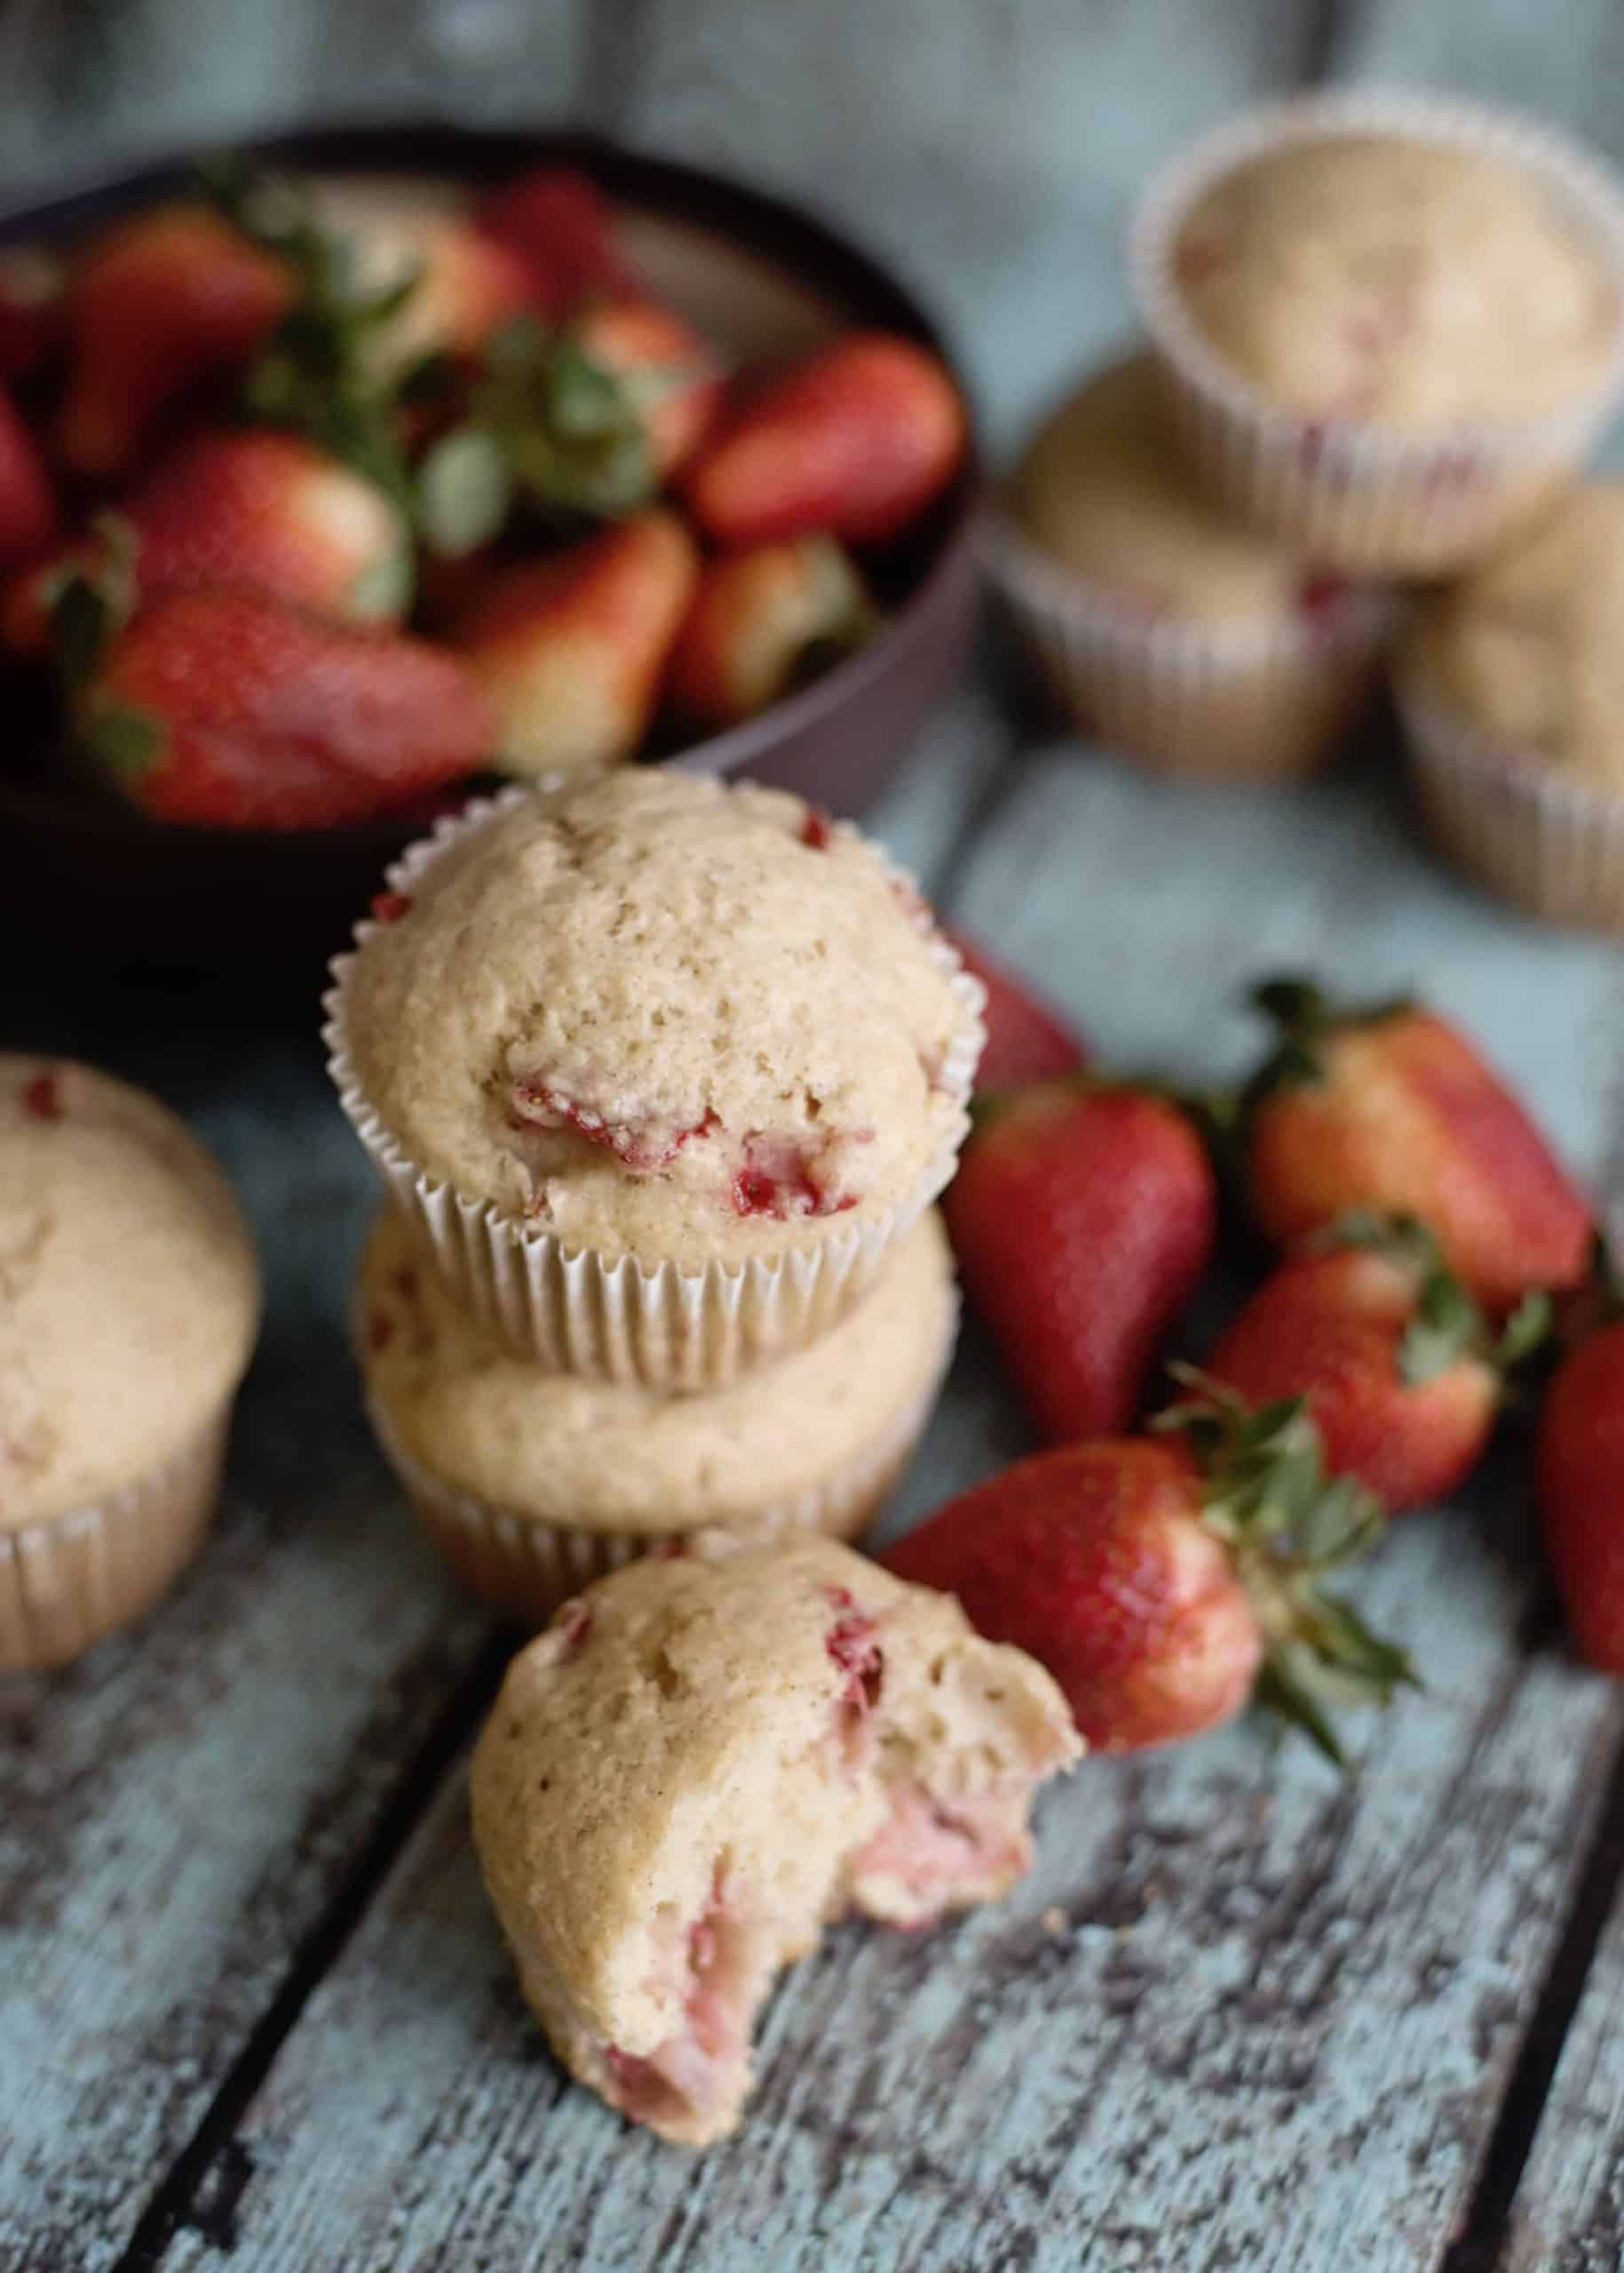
<point>1484,2236</point>
<point>184,2197</point>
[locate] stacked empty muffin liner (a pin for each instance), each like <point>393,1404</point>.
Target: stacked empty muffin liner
<point>615,1319</point>
<point>1362,500</point>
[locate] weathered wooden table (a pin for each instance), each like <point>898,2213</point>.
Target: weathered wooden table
<point>252,2007</point>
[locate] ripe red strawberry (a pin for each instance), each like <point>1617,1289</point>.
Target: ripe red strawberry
<point>1083,1216</point>
<point>1393,1109</point>
<point>1395,1359</point>
<point>169,299</point>
<point>1581,1492</point>
<point>1026,1041</point>
<point>761,623</point>
<point>856,440</point>
<point>560,221</point>
<point>227,710</point>
<point>255,511</point>
<point>664,367</point>
<point>569,649</point>
<point>1164,1585</point>
<point>27,503</point>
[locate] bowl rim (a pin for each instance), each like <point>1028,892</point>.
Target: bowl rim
<point>761,220</point>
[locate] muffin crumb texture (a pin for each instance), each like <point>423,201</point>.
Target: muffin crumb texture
<point>129,1289</point>
<point>1528,653</point>
<point>658,1016</point>
<point>1376,278</point>
<point>707,1758</point>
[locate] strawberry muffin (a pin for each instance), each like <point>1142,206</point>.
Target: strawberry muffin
<point>705,1759</point>
<point>534,1483</point>
<point>659,1066</point>
<point>128,1302</point>
<point>1392,327</point>
<point>1511,684</point>
<point>1187,638</point>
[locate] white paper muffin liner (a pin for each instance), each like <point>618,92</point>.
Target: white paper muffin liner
<point>1204,702</point>
<point>526,1567</point>
<point>67,1581</point>
<point>1352,495</point>
<point>1546,841</point>
<point>620,1319</point>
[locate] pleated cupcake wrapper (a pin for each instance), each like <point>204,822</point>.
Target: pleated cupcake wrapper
<point>68,1580</point>
<point>526,1567</point>
<point>621,1319</point>
<point>1222,701</point>
<point>1345,493</point>
<point>1514,821</point>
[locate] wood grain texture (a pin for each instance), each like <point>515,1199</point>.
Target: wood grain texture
<point>1567,2215</point>
<point>1280,2011</point>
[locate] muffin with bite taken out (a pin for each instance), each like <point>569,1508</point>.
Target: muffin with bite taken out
<point>707,1758</point>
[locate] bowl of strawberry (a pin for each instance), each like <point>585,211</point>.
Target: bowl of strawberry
<point>345,475</point>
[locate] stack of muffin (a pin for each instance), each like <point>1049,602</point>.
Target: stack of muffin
<point>663,1077</point>
<point>1382,334</point>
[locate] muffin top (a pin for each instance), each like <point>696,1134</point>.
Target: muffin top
<point>1101,489</point>
<point>1529,651</point>
<point>560,1449</point>
<point>1377,277</point>
<point>129,1290</point>
<point>655,1014</point>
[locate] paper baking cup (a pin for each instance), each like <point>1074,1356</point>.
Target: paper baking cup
<point>1202,701</point>
<point>526,1568</point>
<point>574,1311</point>
<point>1514,821</point>
<point>68,1581</point>
<point>1350,494</point>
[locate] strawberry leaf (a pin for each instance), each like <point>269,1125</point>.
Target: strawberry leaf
<point>1448,1326</point>
<point>463,492</point>
<point>568,429</point>
<point>1526,1330</point>
<point>1286,1523</point>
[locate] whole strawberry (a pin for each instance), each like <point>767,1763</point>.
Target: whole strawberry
<point>1580,1473</point>
<point>254,512</point>
<point>1164,1585</point>
<point>761,620</point>
<point>227,710</point>
<point>561,222</point>
<point>856,440</point>
<point>172,297</point>
<point>1392,1108</point>
<point>1027,1040</point>
<point>1396,1361</point>
<point>1083,1216</point>
<point>569,649</point>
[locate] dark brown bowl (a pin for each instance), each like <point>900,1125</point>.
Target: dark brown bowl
<point>756,273</point>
